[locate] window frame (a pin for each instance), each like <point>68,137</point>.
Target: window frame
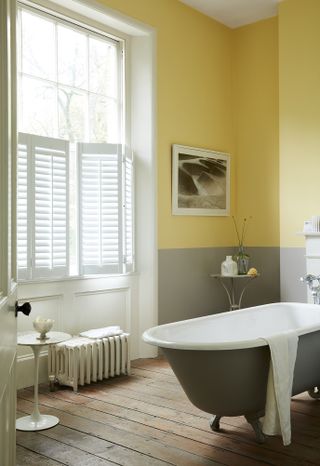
<point>99,33</point>
<point>75,20</point>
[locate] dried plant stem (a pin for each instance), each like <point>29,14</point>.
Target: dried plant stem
<point>235,225</point>
<point>243,231</point>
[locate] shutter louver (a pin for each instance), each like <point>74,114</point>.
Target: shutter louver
<point>47,179</point>
<point>128,213</point>
<point>23,252</point>
<point>100,208</point>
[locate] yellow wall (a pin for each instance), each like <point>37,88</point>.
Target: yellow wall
<point>299,76</point>
<point>220,89</point>
<point>255,91</point>
<point>200,104</point>
<point>194,106</point>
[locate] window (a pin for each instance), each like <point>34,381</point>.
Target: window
<point>74,171</point>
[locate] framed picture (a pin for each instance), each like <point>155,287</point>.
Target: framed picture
<point>200,181</point>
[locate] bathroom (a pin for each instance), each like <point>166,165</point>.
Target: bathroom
<point>248,90</point>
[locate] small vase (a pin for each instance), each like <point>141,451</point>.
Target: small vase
<point>242,260</point>
<point>229,267</point>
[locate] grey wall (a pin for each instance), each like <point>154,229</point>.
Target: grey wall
<point>293,266</point>
<point>187,291</point>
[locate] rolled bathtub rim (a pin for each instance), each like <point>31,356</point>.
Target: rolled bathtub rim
<point>152,339</point>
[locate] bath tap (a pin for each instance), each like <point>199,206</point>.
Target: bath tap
<point>313,282</point>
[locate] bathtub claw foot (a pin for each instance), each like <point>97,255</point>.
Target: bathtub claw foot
<point>256,425</point>
<point>215,423</point>
<point>314,393</point>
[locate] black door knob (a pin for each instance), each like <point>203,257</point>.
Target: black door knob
<point>25,308</point>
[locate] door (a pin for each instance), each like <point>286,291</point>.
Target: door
<point>8,138</point>
<point>7,383</point>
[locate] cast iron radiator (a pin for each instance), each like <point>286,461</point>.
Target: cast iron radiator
<point>81,360</point>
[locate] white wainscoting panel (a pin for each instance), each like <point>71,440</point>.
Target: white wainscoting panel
<point>77,305</point>
<point>49,307</point>
<point>101,308</point>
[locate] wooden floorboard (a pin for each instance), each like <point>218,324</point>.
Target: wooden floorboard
<point>147,420</point>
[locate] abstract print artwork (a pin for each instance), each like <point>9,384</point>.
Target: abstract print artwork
<point>200,181</point>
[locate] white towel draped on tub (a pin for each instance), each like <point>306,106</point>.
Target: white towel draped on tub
<point>283,349</point>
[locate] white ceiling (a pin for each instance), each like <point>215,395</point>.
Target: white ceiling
<point>235,13</point>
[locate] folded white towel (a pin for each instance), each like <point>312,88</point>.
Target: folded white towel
<point>75,341</point>
<point>102,332</point>
<point>283,349</point>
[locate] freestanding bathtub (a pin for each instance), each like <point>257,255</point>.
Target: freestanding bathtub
<point>222,362</point>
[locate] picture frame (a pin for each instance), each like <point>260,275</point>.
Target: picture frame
<point>200,181</point>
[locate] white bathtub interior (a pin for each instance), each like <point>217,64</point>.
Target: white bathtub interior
<point>238,329</point>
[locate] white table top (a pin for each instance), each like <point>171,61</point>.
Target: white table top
<point>218,275</point>
<point>32,338</point>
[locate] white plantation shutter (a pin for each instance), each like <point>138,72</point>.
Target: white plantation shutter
<point>46,246</point>
<point>100,215</point>
<point>128,189</point>
<point>23,246</point>
<point>105,181</point>
<point>50,233</point>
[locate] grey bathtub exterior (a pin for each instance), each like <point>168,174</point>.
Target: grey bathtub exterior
<point>234,382</point>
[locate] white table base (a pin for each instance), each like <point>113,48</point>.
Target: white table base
<point>36,421</point>
<point>44,421</point>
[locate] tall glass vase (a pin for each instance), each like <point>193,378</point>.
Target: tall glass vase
<point>242,260</point>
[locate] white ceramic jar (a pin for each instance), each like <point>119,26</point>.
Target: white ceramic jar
<point>229,267</point>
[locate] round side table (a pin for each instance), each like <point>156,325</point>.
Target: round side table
<point>245,280</point>
<point>37,421</point>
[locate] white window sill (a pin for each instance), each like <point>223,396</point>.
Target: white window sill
<point>77,277</point>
